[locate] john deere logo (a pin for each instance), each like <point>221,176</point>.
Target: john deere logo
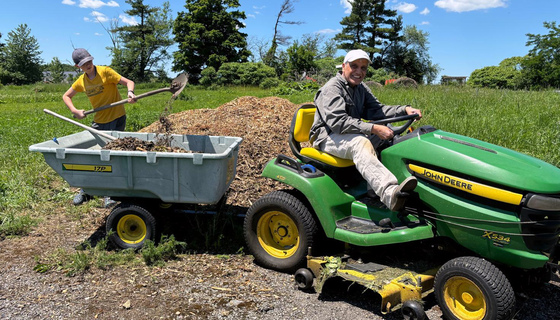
<point>475,188</point>
<point>448,180</point>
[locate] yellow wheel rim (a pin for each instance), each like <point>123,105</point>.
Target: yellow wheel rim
<point>131,229</point>
<point>278,234</point>
<point>464,299</point>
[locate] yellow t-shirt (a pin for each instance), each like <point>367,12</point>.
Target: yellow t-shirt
<point>102,90</point>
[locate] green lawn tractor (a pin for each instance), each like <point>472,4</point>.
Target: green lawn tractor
<point>489,216</point>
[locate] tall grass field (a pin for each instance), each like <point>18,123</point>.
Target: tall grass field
<point>527,122</point>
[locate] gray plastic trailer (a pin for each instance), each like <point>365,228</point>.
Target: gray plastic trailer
<point>140,179</point>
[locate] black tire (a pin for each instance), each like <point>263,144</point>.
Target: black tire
<point>129,226</point>
<point>304,279</point>
<point>473,288</point>
<point>413,310</point>
<point>278,230</point>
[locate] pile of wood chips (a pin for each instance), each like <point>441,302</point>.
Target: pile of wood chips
<point>263,124</point>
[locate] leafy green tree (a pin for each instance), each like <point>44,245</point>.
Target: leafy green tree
<point>328,49</point>
<point>209,35</point>
<point>507,75</point>
<point>236,73</point>
<point>370,27</point>
<point>21,61</point>
<point>56,69</point>
<point>409,56</point>
<point>143,47</point>
<point>541,68</point>
<point>300,58</point>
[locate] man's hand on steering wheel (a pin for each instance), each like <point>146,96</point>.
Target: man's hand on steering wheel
<point>411,110</point>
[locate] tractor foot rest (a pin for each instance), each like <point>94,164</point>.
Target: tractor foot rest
<point>358,225</point>
<point>386,223</point>
<point>363,226</point>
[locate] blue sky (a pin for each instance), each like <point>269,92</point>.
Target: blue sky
<point>464,35</point>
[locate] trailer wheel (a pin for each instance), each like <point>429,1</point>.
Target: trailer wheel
<point>129,226</point>
<point>304,278</point>
<point>278,230</point>
<point>473,288</point>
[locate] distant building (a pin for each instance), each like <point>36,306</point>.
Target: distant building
<point>449,80</point>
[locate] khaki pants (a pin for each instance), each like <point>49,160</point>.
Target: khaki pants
<point>360,149</point>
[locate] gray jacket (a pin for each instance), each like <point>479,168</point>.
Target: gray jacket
<point>342,109</point>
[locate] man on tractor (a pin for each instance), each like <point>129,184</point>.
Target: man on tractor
<point>338,128</point>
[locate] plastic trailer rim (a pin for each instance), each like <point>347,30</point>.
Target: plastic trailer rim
<point>131,229</point>
<point>130,226</point>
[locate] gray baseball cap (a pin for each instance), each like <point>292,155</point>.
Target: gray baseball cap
<point>81,56</point>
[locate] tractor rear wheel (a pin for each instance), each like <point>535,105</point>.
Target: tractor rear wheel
<point>278,230</point>
<point>129,226</point>
<point>473,288</point>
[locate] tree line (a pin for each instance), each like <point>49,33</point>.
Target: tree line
<point>213,50</point>
<point>540,68</point>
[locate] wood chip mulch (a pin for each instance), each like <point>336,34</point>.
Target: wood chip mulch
<point>264,125</point>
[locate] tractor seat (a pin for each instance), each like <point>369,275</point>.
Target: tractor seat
<point>299,133</point>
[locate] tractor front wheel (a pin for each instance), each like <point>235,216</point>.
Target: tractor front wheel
<point>474,289</point>
<point>129,226</point>
<point>278,229</point>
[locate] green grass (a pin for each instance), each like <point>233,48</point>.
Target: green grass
<point>30,190</point>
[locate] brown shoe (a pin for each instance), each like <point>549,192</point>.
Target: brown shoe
<point>398,199</point>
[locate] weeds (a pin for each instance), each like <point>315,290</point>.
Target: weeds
<point>167,249</point>
<point>86,257</point>
<point>15,224</point>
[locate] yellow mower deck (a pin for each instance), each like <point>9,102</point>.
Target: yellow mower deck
<point>394,285</point>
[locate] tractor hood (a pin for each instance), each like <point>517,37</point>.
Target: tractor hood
<point>470,158</point>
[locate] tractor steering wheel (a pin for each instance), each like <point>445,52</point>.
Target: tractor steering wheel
<point>400,129</point>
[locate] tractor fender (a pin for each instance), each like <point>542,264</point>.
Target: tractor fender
<point>327,200</point>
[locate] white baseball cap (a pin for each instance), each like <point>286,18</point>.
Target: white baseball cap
<point>354,55</point>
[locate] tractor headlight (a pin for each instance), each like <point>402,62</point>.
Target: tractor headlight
<point>544,203</point>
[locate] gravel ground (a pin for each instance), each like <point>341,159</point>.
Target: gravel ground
<point>195,286</point>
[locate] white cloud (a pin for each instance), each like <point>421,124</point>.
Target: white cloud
<point>424,23</point>
<point>405,7</point>
<point>97,34</point>
<point>69,2</point>
<point>327,31</point>
<point>469,5</point>
<point>97,17</point>
<point>131,21</point>
<point>347,6</point>
<point>425,11</point>
<point>96,4</point>
<point>251,16</point>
